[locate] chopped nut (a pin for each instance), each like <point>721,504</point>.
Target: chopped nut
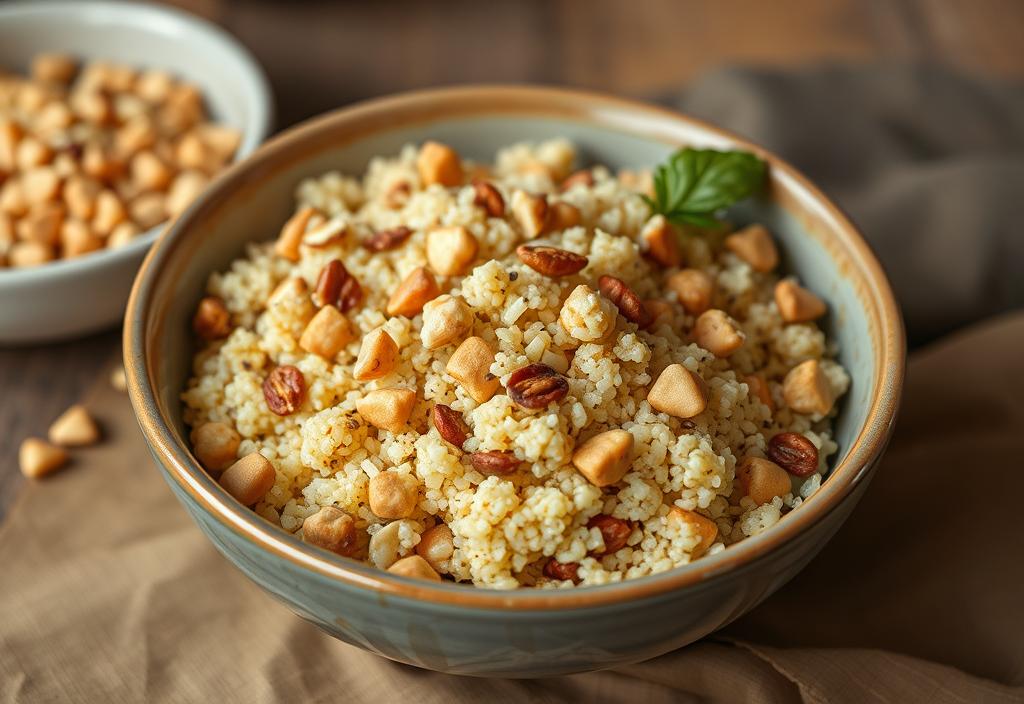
<point>74,428</point>
<point>704,527</point>
<point>212,320</point>
<point>10,135</point>
<point>92,106</point>
<point>489,198</point>
<point>605,458</point>
<point>628,303</point>
<point>656,309</point>
<point>439,163</point>
<point>54,68</point>
<point>42,224</point>
<point>795,453</point>
<point>221,139</point>
<point>149,209</point>
<point>758,386</point>
<point>332,529</point>
<point>614,531</point>
<point>284,390</point>
<point>531,212</point>
<point>662,241</point>
<point>384,545</point>
<point>437,546</point>
<point>388,409</point>
<point>694,289</point>
<point>148,172</point>
<point>24,254</point>
<point>322,233</point>
<point>387,239</point>
<point>536,386</point>
<point>413,293</point>
<point>136,134</point>
<point>100,165</point>
<point>445,320</point>
<point>796,304</point>
<point>249,479</point>
<point>718,333</point>
<point>123,234</point>
<point>40,185</point>
<point>555,359</point>
<point>550,261</point>
<point>500,463</point>
<point>416,567</point>
<point>754,245</point>
<point>80,194</point>
<point>76,239</point>
<point>562,216</point>
<point>288,241</point>
<point>327,333</point>
<point>392,495</point>
<point>336,286</point>
<point>762,480</point>
<point>154,85</point>
<point>215,445</point>
<point>109,213</point>
<point>562,571</point>
<point>806,389</point>
<point>32,153</point>
<point>185,188</point>
<point>583,178</point>
<point>449,424</point>
<point>377,356</point>
<point>679,392</point>
<point>37,458</point>
<point>192,153</point>
<point>451,250</point>
<point>12,198</point>
<point>470,365</point>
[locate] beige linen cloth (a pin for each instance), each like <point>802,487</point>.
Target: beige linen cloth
<point>109,593</point>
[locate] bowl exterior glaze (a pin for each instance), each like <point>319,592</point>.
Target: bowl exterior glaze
<point>523,633</point>
<point>70,298</point>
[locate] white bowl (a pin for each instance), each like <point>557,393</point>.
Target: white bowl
<point>69,298</point>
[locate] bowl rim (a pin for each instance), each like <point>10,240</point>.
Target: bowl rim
<point>352,123</point>
<point>177,21</point>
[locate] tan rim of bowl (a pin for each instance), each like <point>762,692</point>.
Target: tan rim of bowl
<point>347,125</point>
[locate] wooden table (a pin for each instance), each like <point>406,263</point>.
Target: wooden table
<point>321,55</point>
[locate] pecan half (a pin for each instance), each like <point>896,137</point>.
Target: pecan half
<point>337,287</point>
<point>625,299</point>
<point>553,569</point>
<point>488,198</point>
<point>212,320</point>
<point>387,239</point>
<point>536,385</point>
<point>583,177</point>
<point>615,531</point>
<point>450,425</point>
<point>794,453</point>
<point>284,389</point>
<point>550,261</point>
<point>498,462</point>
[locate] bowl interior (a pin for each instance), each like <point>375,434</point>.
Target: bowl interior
<point>256,197</point>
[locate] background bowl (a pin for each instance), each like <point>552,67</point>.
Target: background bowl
<point>463,629</point>
<point>72,297</point>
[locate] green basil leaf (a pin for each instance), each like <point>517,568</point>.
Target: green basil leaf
<point>694,185</point>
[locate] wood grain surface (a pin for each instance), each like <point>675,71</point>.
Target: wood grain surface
<point>320,55</point>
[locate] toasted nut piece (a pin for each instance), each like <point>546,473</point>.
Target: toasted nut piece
<point>762,480</point>
<point>703,526</point>
<point>284,390</point>
<point>42,224</point>
<point>562,571</point>
<point>531,212</point>
<point>416,567</point>
<point>639,181</point>
<point>436,546</point>
<point>212,320</point>
<point>327,333</point>
<point>625,299</point>
<point>449,424</point>
<point>489,198</point>
<point>53,68</point>
<point>53,120</point>
<point>378,355</point>
<point>80,194</point>
<point>679,392</point>
<point>74,428</point>
<point>562,216</point>
<point>32,153</point>
<point>12,198</point>
<point>37,458</point>
<point>185,188</point>
<point>136,134</point>
<point>148,172</point>
<point>215,445</point>
<point>583,317</point>
<point>249,479</point>
<point>439,163</point>
<point>154,85</point>
<point>445,320</point>
<point>550,261</point>
<point>336,286</point>
<point>288,241</point>
<point>148,210</point>
<point>584,178</point>
<point>662,241</point>
<point>100,165</point>
<point>795,453</point>
<point>123,234</point>
<point>392,495</point>
<point>536,386</point>
<point>40,185</point>
<point>656,308</point>
<point>92,106</point>
<point>77,238</point>
<point>718,333</point>
<point>614,531</point>
<point>796,304</point>
<point>757,386</point>
<point>192,153</point>
<point>384,240</point>
<point>450,250</point>
<point>555,359</point>
<point>384,545</point>
<point>470,365</point>
<point>754,245</point>
<point>332,529</point>
<point>413,293</point>
<point>388,409</point>
<point>24,254</point>
<point>221,139</point>
<point>694,289</point>
<point>806,389</point>
<point>500,463</point>
<point>10,135</point>
<point>605,458</point>
<point>109,213</point>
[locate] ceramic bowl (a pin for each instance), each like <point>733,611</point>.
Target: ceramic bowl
<point>462,629</point>
<point>73,297</point>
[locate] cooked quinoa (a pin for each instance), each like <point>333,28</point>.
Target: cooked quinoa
<point>523,505</point>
